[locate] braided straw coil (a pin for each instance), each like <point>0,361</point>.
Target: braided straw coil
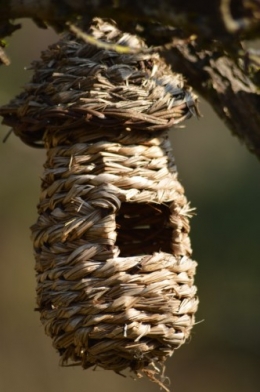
<point>114,273</point>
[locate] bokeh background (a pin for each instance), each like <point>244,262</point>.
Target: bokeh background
<point>222,180</point>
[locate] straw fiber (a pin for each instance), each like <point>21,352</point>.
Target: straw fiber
<point>114,274</point>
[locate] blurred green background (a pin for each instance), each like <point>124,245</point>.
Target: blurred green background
<point>222,180</point>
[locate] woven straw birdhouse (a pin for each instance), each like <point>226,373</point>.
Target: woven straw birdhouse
<point>114,274</point>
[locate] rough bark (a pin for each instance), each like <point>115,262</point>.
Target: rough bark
<point>221,20</point>
<point>201,41</point>
<point>229,91</point>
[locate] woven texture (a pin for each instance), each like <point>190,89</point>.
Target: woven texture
<point>114,274</point>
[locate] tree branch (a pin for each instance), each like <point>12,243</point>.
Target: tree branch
<point>200,40</point>
<point>221,20</point>
<point>229,91</point>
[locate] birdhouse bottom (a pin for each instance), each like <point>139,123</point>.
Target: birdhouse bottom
<point>114,274</point>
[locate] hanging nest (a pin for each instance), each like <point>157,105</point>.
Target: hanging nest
<point>114,274</point>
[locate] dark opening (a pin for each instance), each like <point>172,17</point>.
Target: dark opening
<point>143,229</point>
